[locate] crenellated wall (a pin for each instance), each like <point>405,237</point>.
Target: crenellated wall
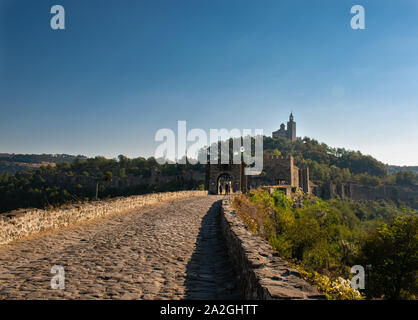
<point>262,273</point>
<point>20,223</point>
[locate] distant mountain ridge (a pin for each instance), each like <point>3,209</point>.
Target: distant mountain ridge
<point>12,163</point>
<point>392,169</point>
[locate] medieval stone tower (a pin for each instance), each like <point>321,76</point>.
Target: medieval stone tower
<point>289,132</point>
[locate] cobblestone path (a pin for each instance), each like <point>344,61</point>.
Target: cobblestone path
<point>168,251</point>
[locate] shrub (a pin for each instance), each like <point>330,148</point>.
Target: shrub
<point>339,289</point>
<point>392,252</point>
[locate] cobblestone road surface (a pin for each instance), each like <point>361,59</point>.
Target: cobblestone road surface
<point>168,251</point>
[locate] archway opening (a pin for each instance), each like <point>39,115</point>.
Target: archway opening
<point>225,184</point>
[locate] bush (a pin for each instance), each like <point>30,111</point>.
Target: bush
<point>392,252</point>
<point>339,289</point>
<point>406,178</point>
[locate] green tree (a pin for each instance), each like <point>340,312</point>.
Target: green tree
<point>122,173</point>
<point>392,252</point>
<point>405,178</point>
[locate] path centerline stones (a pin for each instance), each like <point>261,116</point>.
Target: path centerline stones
<point>169,251</point>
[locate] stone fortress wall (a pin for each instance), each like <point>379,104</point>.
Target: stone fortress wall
<point>262,274</point>
<point>281,170</point>
<point>20,223</point>
<point>234,171</point>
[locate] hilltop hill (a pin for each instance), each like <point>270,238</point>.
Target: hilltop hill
<point>393,169</point>
<point>327,163</point>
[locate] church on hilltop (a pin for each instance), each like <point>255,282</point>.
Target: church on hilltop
<point>289,132</point>
<point>279,172</point>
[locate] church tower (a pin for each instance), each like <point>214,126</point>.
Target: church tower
<point>289,132</point>
<point>291,128</point>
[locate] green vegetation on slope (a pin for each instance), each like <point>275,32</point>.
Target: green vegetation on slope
<point>337,164</point>
<point>77,181</point>
<point>328,237</point>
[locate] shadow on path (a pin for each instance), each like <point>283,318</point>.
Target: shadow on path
<point>210,273</point>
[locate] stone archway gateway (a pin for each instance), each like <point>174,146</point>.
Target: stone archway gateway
<point>233,173</point>
<point>224,181</point>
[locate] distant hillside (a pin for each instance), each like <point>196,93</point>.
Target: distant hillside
<point>326,163</point>
<point>78,181</point>
<point>13,163</point>
<point>392,169</point>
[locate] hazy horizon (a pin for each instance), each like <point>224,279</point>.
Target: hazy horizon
<point>115,156</point>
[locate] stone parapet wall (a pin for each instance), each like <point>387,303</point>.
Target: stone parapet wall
<point>262,273</point>
<point>20,223</point>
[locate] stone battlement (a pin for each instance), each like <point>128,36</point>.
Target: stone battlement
<point>262,273</point>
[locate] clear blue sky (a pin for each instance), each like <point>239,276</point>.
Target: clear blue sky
<point>124,69</point>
